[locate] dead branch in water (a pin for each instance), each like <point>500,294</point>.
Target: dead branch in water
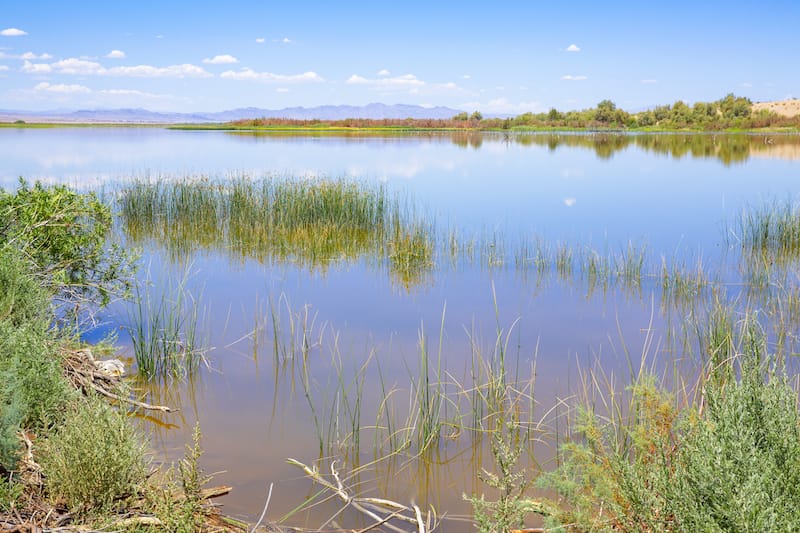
<point>84,373</point>
<point>381,510</point>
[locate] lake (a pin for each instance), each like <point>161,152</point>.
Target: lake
<point>546,255</point>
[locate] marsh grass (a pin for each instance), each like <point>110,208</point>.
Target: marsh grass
<point>164,329</point>
<point>772,231</point>
<point>314,223</point>
<point>682,285</point>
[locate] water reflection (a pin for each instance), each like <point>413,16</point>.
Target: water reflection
<point>551,253</point>
<point>725,148</point>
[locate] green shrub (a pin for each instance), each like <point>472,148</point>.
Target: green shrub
<point>10,493</point>
<point>22,298</point>
<point>64,234</point>
<point>34,391</point>
<point>95,460</point>
<point>731,463</point>
<point>184,514</point>
<point>739,467</point>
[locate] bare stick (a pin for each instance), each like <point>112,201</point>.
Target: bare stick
<point>260,518</point>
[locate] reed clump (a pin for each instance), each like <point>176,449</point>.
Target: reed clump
<point>772,231</point>
<point>311,222</point>
<point>163,328</point>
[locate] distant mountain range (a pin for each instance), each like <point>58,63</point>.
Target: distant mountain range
<point>143,116</point>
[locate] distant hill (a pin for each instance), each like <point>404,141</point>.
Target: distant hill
<point>788,108</point>
<point>143,116</point>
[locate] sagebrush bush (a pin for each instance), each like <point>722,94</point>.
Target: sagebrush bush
<point>96,459</point>
<point>33,390</point>
<point>22,298</point>
<point>730,463</point>
<point>739,467</point>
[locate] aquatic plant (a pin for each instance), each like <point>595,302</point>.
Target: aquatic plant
<point>163,327</point>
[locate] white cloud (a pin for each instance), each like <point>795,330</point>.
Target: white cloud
<point>185,70</point>
<point>384,72</point>
<point>649,81</point>
<point>116,54</point>
<point>31,55</point>
<point>3,67</point>
<point>249,74</point>
<point>570,77</point>
<point>260,40</point>
<point>573,48</point>
<point>466,77</point>
<point>449,86</point>
<point>281,90</point>
<point>569,201</point>
<point>746,85</point>
<point>36,68</point>
<point>83,67</point>
<point>130,92</point>
<point>224,59</point>
<point>62,88</point>
<point>286,40</point>
<point>406,81</point>
<point>109,95</point>
<point>13,32</point>
<point>80,67</point>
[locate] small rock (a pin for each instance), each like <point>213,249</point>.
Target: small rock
<point>111,367</point>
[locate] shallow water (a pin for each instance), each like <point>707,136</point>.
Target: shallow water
<point>676,196</point>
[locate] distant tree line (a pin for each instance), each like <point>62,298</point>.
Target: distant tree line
<point>730,112</point>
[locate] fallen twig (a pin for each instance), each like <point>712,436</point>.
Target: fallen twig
<point>370,506</point>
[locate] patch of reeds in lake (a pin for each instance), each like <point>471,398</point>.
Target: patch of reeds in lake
<point>311,222</point>
<point>771,234</point>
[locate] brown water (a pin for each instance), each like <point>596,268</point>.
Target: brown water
<point>350,336</point>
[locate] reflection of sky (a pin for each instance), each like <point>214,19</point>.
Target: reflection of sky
<point>565,194</point>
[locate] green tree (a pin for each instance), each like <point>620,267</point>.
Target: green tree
<point>606,112</point>
<point>554,115</point>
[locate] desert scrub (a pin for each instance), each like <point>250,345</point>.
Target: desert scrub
<point>731,462</point>
<point>22,298</point>
<point>96,460</point>
<point>33,391</point>
<point>185,513</point>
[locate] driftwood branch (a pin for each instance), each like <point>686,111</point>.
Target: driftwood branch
<point>381,510</point>
<point>84,373</point>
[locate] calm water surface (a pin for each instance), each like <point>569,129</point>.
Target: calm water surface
<point>676,196</point>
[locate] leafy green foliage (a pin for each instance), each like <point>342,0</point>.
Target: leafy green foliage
<point>22,299</point>
<point>64,233</point>
<point>96,459</point>
<point>33,391</point>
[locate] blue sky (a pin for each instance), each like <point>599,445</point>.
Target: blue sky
<point>507,57</point>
